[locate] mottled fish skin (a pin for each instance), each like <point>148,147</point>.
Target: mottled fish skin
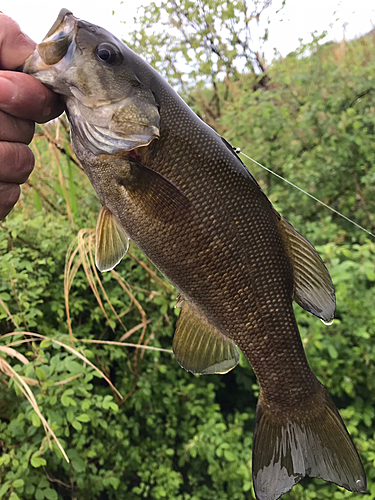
<point>189,203</point>
<point>223,252</point>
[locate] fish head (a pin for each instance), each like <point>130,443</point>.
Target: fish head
<point>109,108</point>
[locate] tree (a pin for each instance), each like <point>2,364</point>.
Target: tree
<point>202,43</point>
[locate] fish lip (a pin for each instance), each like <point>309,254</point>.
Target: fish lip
<point>65,25</point>
<point>60,19</point>
<point>55,44</point>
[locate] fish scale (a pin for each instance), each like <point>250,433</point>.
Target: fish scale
<point>171,184</point>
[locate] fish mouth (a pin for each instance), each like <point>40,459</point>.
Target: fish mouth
<point>55,44</point>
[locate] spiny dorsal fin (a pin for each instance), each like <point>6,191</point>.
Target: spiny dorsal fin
<point>112,242</point>
<point>313,287</point>
<point>199,347</point>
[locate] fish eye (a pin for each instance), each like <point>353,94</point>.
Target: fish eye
<point>108,54</point>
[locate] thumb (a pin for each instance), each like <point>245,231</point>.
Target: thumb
<point>15,46</point>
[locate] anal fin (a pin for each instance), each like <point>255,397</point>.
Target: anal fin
<point>199,347</point>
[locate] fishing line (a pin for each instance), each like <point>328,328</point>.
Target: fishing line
<point>237,150</point>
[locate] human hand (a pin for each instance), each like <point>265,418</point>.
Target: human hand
<point>23,101</point>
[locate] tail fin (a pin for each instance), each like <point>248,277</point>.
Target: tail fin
<point>286,451</point>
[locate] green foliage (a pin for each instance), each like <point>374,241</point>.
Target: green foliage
<point>177,436</point>
<point>315,126</point>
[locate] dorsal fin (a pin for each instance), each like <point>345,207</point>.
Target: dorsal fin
<point>112,243</point>
<point>199,347</point>
<point>313,287</point>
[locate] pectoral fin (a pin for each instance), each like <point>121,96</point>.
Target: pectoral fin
<point>154,193</point>
<point>313,287</point>
<point>199,348</point>
<point>112,243</point>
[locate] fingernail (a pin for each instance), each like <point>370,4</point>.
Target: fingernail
<point>8,90</point>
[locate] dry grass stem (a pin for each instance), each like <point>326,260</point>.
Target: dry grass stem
<point>70,349</point>
<point>86,243</point>
<point>67,380</point>
<point>10,316</point>
<point>152,273</point>
<point>14,354</point>
<point>26,391</point>
<point>93,267</point>
<point>133,330</point>
<point>125,344</point>
<point>123,285</point>
<point>54,149</point>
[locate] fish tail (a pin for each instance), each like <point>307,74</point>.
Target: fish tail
<point>316,444</point>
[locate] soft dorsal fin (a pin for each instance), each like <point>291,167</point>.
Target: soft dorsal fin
<point>112,243</point>
<point>313,287</point>
<point>199,347</point>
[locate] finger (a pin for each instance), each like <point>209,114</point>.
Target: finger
<point>15,129</point>
<point>24,96</point>
<point>9,194</point>
<point>16,162</point>
<point>15,46</point>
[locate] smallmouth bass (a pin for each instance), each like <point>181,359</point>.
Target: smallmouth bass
<point>170,183</point>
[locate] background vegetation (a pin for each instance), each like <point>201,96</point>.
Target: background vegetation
<point>172,435</point>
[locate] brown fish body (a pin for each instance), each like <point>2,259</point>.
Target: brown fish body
<point>183,196</point>
<point>224,254</point>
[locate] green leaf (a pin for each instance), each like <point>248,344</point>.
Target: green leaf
<point>77,425</point>
<point>39,494</point>
<point>37,461</point>
<point>246,485</point>
<point>18,483</point>
<point>37,200</point>
<point>332,351</point>
<point>35,420</point>
<point>66,400</point>
<point>83,417</point>
<point>40,373</point>
<point>370,273</point>
<point>5,459</point>
<point>51,494</point>
<point>229,455</point>
<point>4,488</point>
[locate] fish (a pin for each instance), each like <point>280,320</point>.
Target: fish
<point>180,192</point>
